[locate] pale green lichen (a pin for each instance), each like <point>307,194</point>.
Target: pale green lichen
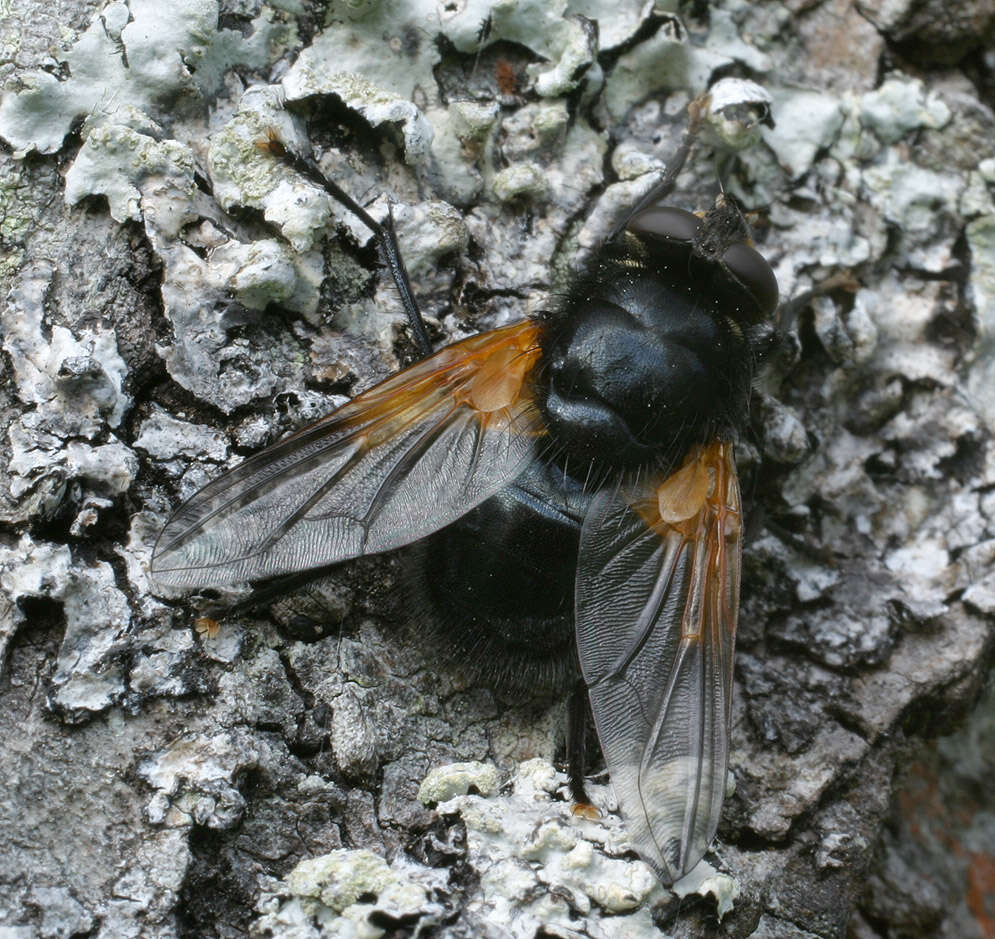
<point>547,29</point>
<point>980,235</point>
<point>726,34</point>
<point>534,128</point>
<point>807,122</point>
<point>456,779</point>
<point>340,878</point>
<point>917,201</point>
<point>537,26</point>
<point>520,181</point>
<point>432,229</point>
<point>262,272</point>
<point>460,142</point>
<point>116,161</point>
<point>900,106</point>
<point>576,53</point>
<point>39,114</point>
<point>19,214</point>
<point>528,841</point>
<point>981,244</point>
<point>976,199</point>
<point>244,175</point>
<point>617,22</point>
<point>345,894</point>
<point>630,161</point>
<point>77,403</point>
<point>401,901</point>
<point>704,879</point>
<point>472,121</point>
<point>164,437</point>
<point>400,63</point>
<point>309,77</point>
<point>142,56</point>
<point>89,672</point>
<point>11,261</point>
<point>662,62</point>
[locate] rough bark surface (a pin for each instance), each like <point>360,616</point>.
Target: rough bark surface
<point>172,302</point>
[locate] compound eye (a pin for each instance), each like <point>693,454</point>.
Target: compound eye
<point>665,221</point>
<point>751,269</point>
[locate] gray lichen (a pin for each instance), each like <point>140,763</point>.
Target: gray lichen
<point>175,298</point>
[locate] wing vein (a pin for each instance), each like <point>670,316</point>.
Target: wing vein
<point>656,618</point>
<point>389,467</point>
<point>404,465</point>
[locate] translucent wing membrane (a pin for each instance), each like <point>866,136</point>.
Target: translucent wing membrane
<point>657,599</point>
<point>398,462</point>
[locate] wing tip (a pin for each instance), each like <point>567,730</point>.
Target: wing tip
<point>676,860</point>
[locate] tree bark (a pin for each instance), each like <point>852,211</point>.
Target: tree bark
<point>175,300</point>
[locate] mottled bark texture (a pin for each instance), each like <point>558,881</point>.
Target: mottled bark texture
<point>172,301</point>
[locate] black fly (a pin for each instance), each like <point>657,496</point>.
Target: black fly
<point>572,485</point>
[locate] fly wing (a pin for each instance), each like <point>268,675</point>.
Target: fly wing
<point>657,601</point>
<point>396,463</point>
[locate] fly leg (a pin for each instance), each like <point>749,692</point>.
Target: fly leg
<point>675,164</point>
<point>384,233</point>
<point>577,714</point>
